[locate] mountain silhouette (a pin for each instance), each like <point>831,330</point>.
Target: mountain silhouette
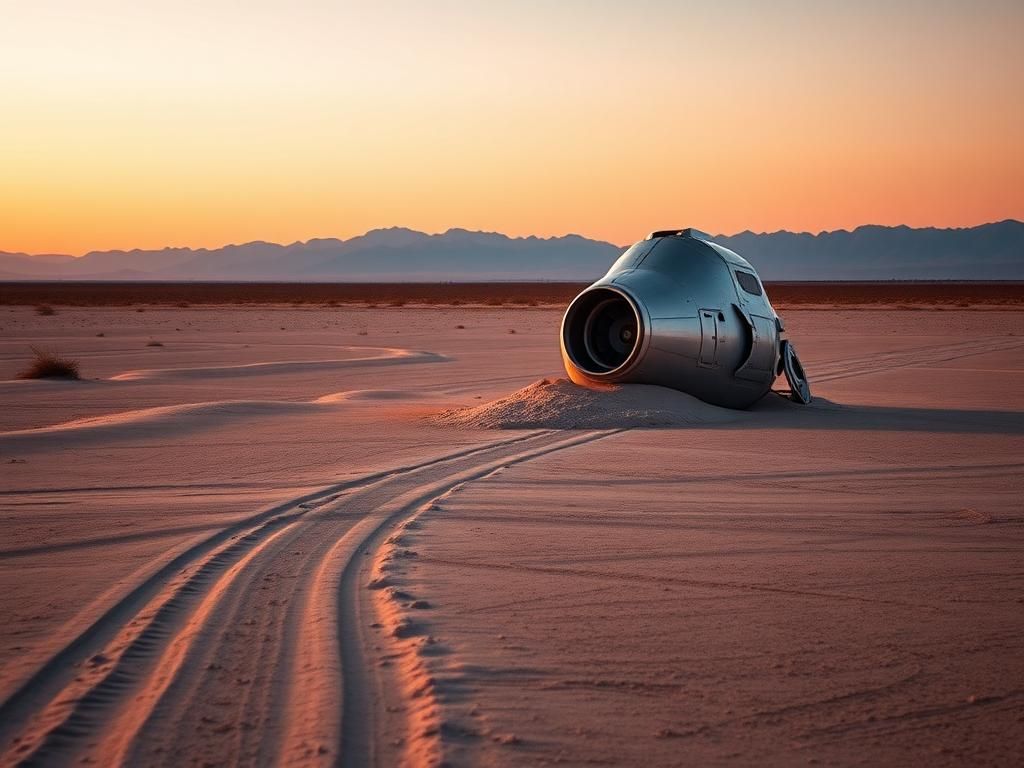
<point>987,252</point>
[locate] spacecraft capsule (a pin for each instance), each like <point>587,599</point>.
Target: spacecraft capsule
<point>681,311</point>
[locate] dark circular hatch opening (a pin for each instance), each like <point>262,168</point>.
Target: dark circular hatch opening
<point>602,329</point>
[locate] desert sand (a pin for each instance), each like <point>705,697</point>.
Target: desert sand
<point>386,536</point>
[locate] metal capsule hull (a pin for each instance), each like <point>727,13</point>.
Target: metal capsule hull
<point>679,311</point>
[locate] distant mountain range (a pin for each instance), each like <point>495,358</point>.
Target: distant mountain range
<point>986,252</point>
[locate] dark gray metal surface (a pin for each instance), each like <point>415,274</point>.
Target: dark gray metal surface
<point>800,390</point>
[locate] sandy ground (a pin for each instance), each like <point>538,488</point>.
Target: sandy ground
<point>259,543</point>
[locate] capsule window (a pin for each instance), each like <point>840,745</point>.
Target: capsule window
<point>749,283</point>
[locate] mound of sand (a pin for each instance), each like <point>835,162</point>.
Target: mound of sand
<point>560,404</point>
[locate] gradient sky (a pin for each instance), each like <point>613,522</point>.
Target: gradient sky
<point>127,123</point>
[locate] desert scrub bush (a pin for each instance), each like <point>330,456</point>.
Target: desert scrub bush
<point>45,310</point>
<point>49,365</point>
<point>154,343</point>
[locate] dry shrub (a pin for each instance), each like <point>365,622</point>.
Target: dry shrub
<point>49,365</point>
<point>460,327</point>
<point>154,343</point>
<point>45,310</point>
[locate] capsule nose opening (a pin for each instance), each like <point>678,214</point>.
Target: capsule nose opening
<point>602,329</point>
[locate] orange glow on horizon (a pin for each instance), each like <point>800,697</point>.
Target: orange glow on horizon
<point>200,125</point>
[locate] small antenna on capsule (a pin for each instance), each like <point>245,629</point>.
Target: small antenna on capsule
<point>696,234</point>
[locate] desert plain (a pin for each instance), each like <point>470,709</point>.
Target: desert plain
<point>390,535</point>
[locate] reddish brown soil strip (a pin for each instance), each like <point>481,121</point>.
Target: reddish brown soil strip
<point>91,294</point>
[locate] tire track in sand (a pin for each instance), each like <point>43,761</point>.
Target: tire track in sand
<point>46,698</point>
<point>373,730</point>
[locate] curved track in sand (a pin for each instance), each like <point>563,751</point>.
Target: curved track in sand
<point>188,665</point>
<point>388,356</point>
<point>925,356</point>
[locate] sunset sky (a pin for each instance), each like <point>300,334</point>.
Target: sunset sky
<point>203,122</point>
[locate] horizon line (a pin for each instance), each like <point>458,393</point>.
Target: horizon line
<point>501,234</point>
